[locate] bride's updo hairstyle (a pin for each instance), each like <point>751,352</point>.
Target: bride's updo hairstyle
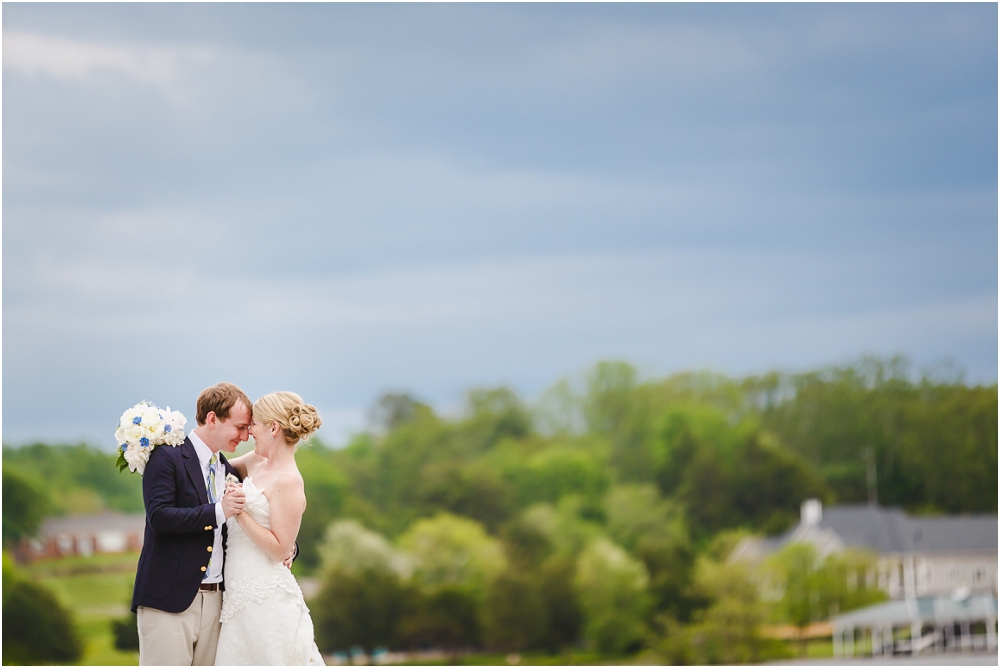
<point>296,418</point>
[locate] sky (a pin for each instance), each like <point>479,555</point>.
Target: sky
<point>344,200</point>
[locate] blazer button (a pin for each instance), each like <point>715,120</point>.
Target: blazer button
<point>209,548</point>
<point>208,528</point>
<point>204,568</point>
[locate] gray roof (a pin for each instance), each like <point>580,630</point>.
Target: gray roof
<point>887,530</point>
<point>925,610</point>
<point>970,532</point>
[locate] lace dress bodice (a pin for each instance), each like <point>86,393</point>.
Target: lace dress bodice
<point>261,598</point>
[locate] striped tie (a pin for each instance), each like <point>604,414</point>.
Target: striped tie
<point>211,496</point>
<point>211,478</point>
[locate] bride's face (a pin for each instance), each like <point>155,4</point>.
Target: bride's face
<point>261,435</point>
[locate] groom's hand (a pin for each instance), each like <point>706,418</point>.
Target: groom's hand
<point>233,500</point>
<point>290,558</point>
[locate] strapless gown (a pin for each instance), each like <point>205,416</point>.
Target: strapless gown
<point>265,621</point>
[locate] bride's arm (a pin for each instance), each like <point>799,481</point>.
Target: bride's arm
<point>287,501</point>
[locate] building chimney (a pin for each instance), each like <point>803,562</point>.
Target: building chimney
<point>812,512</point>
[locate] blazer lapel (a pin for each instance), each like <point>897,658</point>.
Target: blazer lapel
<point>229,467</point>
<point>193,467</point>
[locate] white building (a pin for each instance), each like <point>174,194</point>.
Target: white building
<point>917,556</point>
<point>84,535</point>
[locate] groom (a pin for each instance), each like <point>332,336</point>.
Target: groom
<point>178,583</point>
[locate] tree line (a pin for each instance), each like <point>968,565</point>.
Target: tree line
<point>601,515</point>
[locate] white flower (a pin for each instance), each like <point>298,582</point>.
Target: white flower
<point>134,434</point>
<point>145,426</point>
<point>137,456</point>
<point>174,435</point>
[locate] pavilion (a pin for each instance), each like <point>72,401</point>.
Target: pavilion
<point>915,625</point>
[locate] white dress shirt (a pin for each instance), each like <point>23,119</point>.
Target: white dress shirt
<point>205,453</point>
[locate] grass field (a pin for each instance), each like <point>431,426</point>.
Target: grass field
<point>97,589</point>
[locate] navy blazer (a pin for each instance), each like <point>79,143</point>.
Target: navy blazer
<point>180,529</point>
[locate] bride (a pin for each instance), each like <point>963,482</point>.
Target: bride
<point>265,620</point>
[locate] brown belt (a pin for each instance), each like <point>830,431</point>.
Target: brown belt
<point>212,586</point>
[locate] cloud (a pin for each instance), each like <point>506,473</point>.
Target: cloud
<point>339,199</point>
<point>34,54</point>
<point>557,291</point>
<point>194,79</point>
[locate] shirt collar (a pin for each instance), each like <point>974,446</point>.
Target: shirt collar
<point>204,452</point>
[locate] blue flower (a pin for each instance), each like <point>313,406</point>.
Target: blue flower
<point>144,441</point>
<point>137,419</point>
<point>167,428</point>
<point>124,447</point>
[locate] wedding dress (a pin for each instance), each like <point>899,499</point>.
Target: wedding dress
<point>265,621</point>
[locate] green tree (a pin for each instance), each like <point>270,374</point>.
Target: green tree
<point>349,548</point>
<point>362,608</point>
<point>756,484</point>
<point>562,605</point>
<point>474,490</point>
<point>366,594</point>
<point>769,483</point>
<point>496,414</point>
<point>810,589</point>
<point>932,442</point>
<point>728,631</point>
<point>451,551</point>
<point>621,409</point>
<point>515,615</point>
<point>79,478</point>
<point>525,545</point>
<point>611,586</point>
<point>447,617</point>
<point>394,409</point>
<point>653,530</point>
<point>795,570</point>
<point>568,527</point>
<point>610,392</point>
<point>849,580</point>
<point>36,627</point>
<point>532,561</point>
<point>327,490</point>
<point>557,471</point>
<point>559,411</point>
<point>24,507</point>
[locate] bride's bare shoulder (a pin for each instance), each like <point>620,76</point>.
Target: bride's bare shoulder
<point>289,485</point>
<point>246,464</point>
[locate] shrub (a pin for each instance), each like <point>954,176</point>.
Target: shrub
<point>562,606</point>
<point>36,628</point>
<point>515,616</point>
<point>126,633</point>
<point>361,608</point>
<point>446,618</point>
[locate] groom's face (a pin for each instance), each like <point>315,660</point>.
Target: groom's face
<point>235,430</point>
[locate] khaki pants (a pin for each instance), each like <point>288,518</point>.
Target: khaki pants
<point>186,638</point>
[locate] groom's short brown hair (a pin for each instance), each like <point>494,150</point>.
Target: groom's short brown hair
<point>220,399</point>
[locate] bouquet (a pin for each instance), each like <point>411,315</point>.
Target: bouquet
<point>142,428</point>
